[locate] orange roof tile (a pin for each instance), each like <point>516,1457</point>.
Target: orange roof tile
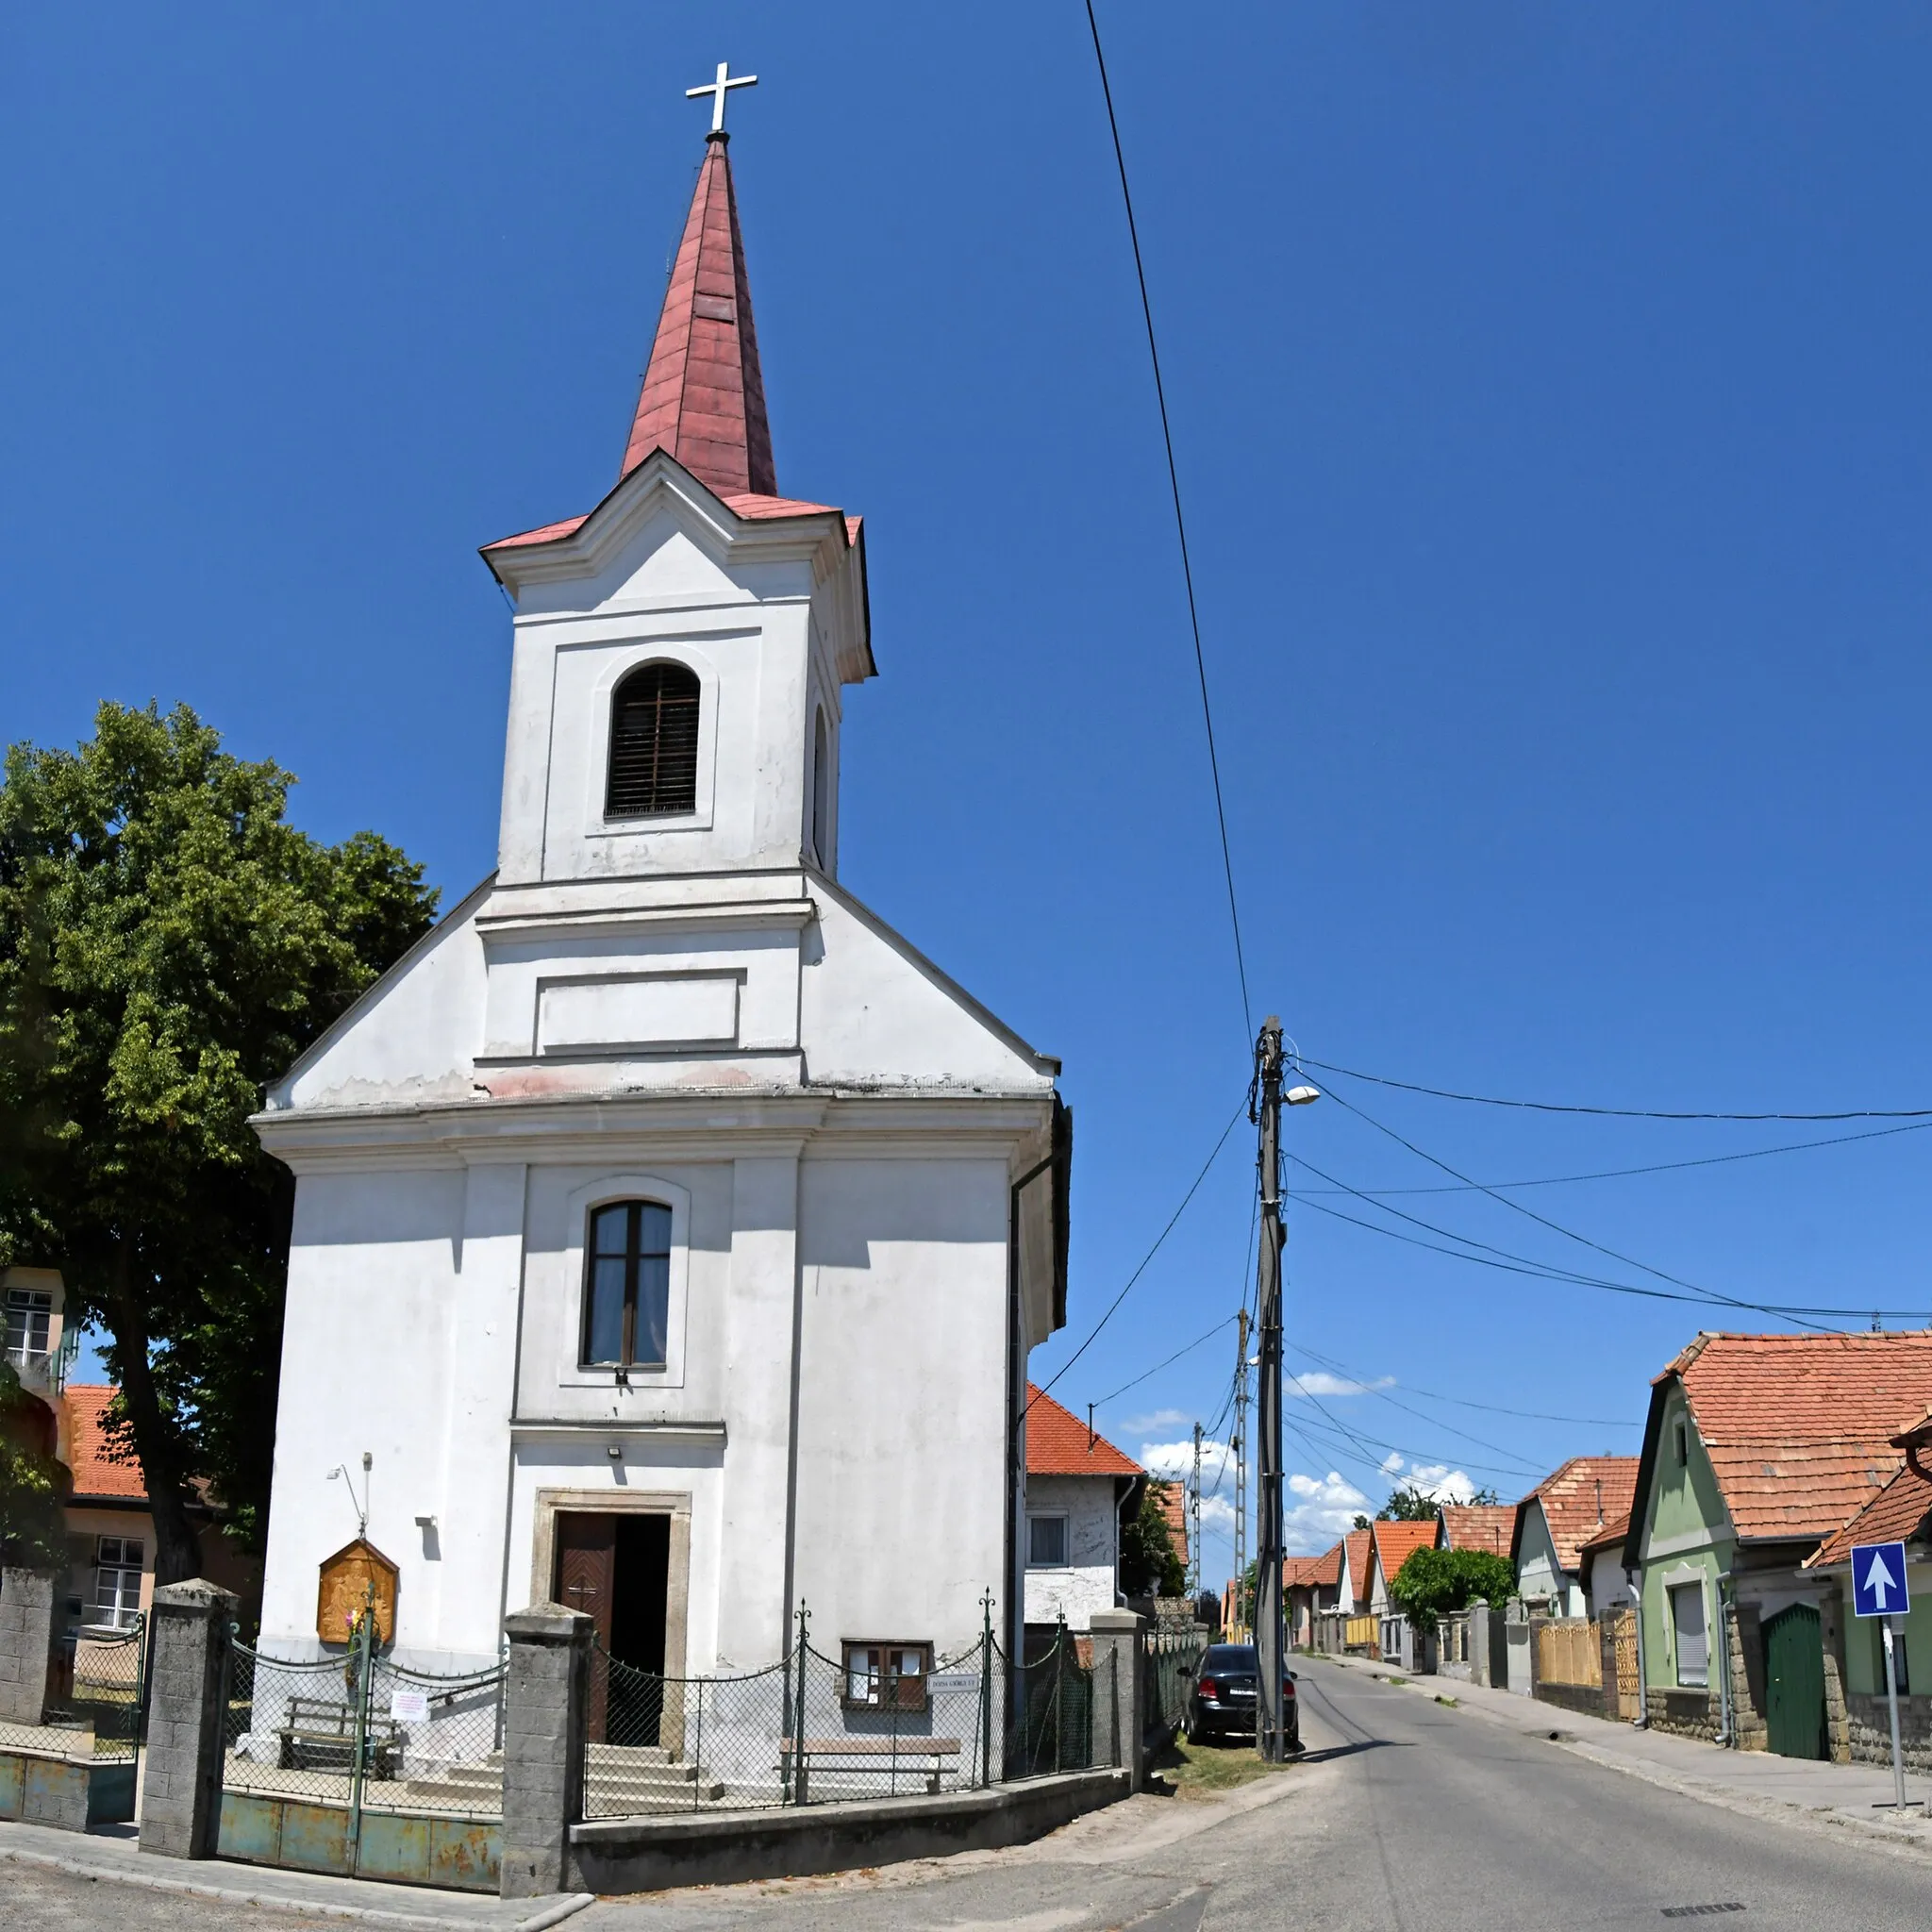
<point>102,1464</point>
<point>1581,1497</point>
<point>1172,1499</point>
<point>1896,1514</point>
<point>1323,1571</point>
<point>1612,1535</point>
<point>1479,1527</point>
<point>1798,1427</point>
<point>1357,1542</point>
<point>1395,1542</point>
<point>1058,1442</point>
<point>752,509</point>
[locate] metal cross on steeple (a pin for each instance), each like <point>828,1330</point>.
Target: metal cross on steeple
<point>718,88</point>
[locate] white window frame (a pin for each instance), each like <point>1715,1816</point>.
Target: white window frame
<point>568,1328</point>
<point>1060,1517</point>
<point>1694,1581</point>
<point>123,1607</point>
<point>633,656</point>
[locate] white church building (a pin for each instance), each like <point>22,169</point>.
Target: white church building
<point>670,1234</point>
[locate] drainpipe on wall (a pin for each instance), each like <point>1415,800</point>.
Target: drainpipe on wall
<point>1634,1579</point>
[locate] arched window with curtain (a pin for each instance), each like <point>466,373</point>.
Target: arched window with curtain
<point>654,743</point>
<point>627,1286</point>
<point>820,789</point>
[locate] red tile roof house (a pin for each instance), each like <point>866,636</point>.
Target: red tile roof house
<point>1078,1489</point>
<point>1391,1545</point>
<point>1568,1507</point>
<point>1900,1512</point>
<point>1758,1450</point>
<point>1310,1585</point>
<point>110,1533</point>
<point>1478,1526</point>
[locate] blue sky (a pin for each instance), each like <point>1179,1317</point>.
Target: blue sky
<point>1551,403</point>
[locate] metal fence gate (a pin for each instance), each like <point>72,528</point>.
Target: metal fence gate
<point>357,1765</point>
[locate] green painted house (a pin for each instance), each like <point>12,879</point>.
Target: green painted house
<point>1756,1449</point>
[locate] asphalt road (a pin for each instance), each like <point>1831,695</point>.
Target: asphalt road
<point>1404,1816</point>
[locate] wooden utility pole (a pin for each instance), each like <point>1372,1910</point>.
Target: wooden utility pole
<point>1271,1737</point>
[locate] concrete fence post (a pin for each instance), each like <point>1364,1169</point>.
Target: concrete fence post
<point>1481,1658</point>
<point>26,1636</point>
<point>182,1767</point>
<point>1117,1634</point>
<point>546,1699</point>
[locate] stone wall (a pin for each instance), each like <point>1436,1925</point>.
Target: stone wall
<point>1686,1713</point>
<point>1744,1651</point>
<point>1584,1698</point>
<point>1869,1730</point>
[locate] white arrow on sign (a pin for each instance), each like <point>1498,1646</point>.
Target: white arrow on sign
<point>1878,1578</point>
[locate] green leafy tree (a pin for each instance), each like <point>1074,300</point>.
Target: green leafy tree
<point>1407,1505</point>
<point>1150,1564</point>
<point>168,942</point>
<point>32,1483</point>
<point>1437,1583</point>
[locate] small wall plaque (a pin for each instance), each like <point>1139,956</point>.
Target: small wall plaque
<point>358,1576</point>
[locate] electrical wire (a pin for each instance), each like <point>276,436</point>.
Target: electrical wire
<point>1542,1220</point>
<point>1175,1356</point>
<point>1620,1114</point>
<point>1180,522</point>
<point>1529,1415</point>
<point>1149,1256</point>
<point>1618,1173</point>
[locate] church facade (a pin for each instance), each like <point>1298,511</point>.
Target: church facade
<point>670,1235</point>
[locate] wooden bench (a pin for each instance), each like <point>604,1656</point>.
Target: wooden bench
<point>320,1735</point>
<point>863,1754</point>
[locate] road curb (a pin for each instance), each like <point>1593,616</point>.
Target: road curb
<point>552,1914</point>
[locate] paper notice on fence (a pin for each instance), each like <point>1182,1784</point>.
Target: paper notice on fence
<point>409,1706</point>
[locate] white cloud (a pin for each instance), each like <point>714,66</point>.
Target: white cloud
<point>1155,1419</point>
<point>1176,1461</point>
<point>1318,1382</point>
<point>1324,1508</point>
<point>1217,1517</point>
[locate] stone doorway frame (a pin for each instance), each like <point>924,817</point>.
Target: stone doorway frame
<point>676,1504</point>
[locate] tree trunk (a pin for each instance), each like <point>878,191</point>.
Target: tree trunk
<point>177,1549</point>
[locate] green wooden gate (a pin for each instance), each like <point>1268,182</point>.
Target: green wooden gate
<point>1794,1683</point>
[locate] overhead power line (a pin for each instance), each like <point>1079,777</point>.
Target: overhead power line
<point>1620,1114</point>
<point>1618,1173</point>
<point>1175,1356</point>
<point>1149,1256</point>
<point>1528,1415</point>
<point>1180,522</point>
<point>1542,1220</point>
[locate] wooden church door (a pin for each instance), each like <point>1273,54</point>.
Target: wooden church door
<point>587,1582</point>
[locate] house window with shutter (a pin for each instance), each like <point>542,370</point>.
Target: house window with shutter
<point>627,1286</point>
<point>1692,1637</point>
<point>654,743</point>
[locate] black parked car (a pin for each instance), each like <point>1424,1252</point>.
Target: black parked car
<point>1226,1690</point>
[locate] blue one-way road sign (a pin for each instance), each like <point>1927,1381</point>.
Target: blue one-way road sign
<point>1878,1580</point>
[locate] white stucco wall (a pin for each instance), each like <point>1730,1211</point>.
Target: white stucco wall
<point>1087,1581</point>
<point>1539,1572</point>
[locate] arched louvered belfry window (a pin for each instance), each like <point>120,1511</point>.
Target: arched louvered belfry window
<point>654,743</point>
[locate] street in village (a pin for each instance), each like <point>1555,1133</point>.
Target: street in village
<point>1405,1812</point>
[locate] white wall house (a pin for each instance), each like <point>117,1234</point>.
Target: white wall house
<point>1077,1485</point>
<point>664,1208</point>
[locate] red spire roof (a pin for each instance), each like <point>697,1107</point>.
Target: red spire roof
<point>702,398</point>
